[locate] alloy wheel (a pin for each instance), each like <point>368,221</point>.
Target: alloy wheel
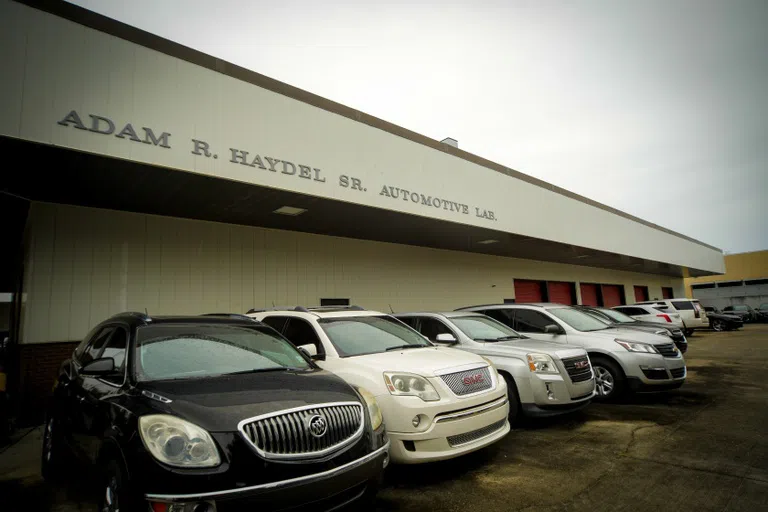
<point>717,325</point>
<point>603,381</point>
<point>111,503</point>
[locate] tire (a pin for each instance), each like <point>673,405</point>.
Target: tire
<point>115,493</point>
<point>513,398</point>
<point>610,382</point>
<point>688,333</point>
<point>53,454</point>
<point>718,325</point>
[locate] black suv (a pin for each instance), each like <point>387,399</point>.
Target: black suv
<point>211,413</point>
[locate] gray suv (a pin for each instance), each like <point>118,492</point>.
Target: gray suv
<point>543,379</point>
<point>622,359</point>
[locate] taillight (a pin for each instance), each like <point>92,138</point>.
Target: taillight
<point>665,317</point>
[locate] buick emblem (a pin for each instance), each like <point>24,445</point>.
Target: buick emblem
<point>317,425</point>
<point>473,379</point>
<point>581,364</point>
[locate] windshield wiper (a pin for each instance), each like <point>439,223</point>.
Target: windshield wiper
<point>259,370</point>
<point>501,338</point>
<point>399,347</point>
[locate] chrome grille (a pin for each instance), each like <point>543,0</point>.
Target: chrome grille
<point>578,368</point>
<point>667,350</point>
<point>469,381</point>
<point>287,434</point>
<point>468,437</point>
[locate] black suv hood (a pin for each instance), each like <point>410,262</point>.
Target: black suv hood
<point>218,404</point>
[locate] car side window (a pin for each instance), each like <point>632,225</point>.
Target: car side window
<point>634,311</point>
<point>93,350</point>
<point>531,321</point>
<point>300,332</point>
<point>501,315</point>
<point>683,305</point>
<point>116,348</point>
<point>275,322</point>
<point>431,327</point>
<point>410,321</point>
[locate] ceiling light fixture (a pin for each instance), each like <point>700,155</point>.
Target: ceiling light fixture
<point>486,242</point>
<point>289,210</point>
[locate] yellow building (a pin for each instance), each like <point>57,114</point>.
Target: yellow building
<point>745,281</point>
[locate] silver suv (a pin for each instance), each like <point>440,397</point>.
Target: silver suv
<point>543,379</point>
<point>622,359</point>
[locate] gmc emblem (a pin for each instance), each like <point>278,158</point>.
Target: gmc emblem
<point>581,365</point>
<point>473,379</point>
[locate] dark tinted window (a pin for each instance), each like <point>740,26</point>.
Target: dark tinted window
<point>740,308</point>
<point>683,305</point>
<point>431,327</point>
<point>633,311</point>
<point>94,349</point>
<point>275,322</point>
<point>334,302</point>
<point>531,321</point>
<point>504,316</point>
<point>410,321</point>
<point>116,348</point>
<point>300,332</point>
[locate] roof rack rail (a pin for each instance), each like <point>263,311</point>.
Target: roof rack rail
<point>479,306</point>
<point>232,315</point>
<point>301,309</point>
<point>143,316</point>
<point>352,307</point>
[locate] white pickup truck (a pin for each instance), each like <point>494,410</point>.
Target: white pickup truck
<point>437,402</point>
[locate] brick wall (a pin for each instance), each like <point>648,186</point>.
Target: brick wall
<point>38,365</point>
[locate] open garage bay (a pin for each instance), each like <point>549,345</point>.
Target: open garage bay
<point>703,447</point>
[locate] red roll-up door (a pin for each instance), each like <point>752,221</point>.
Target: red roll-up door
<point>611,295</point>
<point>560,293</point>
<point>641,293</point>
<point>667,292</point>
<point>528,291</point>
<point>589,294</point>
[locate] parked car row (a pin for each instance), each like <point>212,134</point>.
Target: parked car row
<point>285,407</point>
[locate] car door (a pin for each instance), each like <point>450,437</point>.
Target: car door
<point>532,323</point>
<point>80,397</point>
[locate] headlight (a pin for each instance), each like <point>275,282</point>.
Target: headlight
<point>177,442</point>
<point>635,346</point>
<point>374,412</point>
<point>541,363</point>
<point>408,384</point>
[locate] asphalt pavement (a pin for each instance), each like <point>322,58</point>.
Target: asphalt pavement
<point>700,448</point>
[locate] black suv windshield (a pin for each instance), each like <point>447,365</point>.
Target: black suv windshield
<point>184,351</point>
<point>578,319</point>
<point>482,328</point>
<point>360,335</point>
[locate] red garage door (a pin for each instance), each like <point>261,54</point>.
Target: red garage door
<point>611,295</point>
<point>589,294</point>
<point>641,293</point>
<point>561,293</point>
<point>667,292</point>
<point>528,291</point>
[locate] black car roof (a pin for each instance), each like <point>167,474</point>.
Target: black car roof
<point>137,318</point>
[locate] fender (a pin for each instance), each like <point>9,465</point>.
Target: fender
<point>607,355</point>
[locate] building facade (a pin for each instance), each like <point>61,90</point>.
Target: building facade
<point>154,177</point>
<point>745,281</point>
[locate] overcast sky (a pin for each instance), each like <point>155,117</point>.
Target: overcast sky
<point>657,108</point>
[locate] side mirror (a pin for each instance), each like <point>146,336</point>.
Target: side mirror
<point>103,366</point>
<point>309,349</point>
<point>446,337</point>
<point>553,329</point>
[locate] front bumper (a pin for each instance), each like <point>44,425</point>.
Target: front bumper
<point>550,395</point>
<point>453,433</point>
<point>647,372</point>
<point>328,489</point>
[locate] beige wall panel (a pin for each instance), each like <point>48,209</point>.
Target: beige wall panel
<point>86,264</point>
<point>13,44</point>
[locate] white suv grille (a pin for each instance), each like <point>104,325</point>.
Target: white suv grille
<point>468,381</point>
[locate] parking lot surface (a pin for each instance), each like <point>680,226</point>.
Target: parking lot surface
<point>702,447</point>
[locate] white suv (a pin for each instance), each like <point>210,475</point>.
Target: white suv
<point>691,312</point>
<point>437,402</point>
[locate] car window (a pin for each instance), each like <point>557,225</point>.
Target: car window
<point>740,308</point>
<point>599,315</point>
<point>80,350</point>
<point>505,316</point>
<point>116,348</point>
<point>527,320</point>
<point>578,319</point>
<point>359,335</point>
<point>93,350</point>
<point>618,316</point>
<point>300,332</point>
<point>411,321</point>
<point>683,305</point>
<point>275,322</point>
<point>483,328</point>
<point>431,327</point>
<point>187,351</point>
